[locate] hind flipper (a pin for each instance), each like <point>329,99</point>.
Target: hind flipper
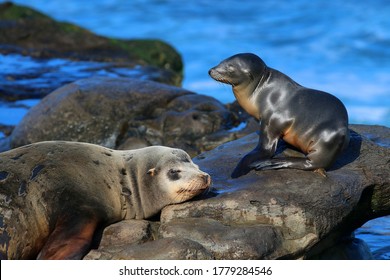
<point>71,239</point>
<point>287,162</point>
<point>269,164</point>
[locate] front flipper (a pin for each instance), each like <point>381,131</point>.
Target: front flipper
<point>70,239</point>
<point>243,166</point>
<point>265,149</point>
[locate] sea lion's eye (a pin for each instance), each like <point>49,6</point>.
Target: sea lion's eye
<point>174,174</point>
<point>230,68</point>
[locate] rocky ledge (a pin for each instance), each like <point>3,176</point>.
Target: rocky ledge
<point>283,214</point>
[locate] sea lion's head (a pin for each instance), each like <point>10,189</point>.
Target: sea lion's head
<point>179,177</point>
<point>239,69</point>
<point>243,72</point>
<point>165,176</point>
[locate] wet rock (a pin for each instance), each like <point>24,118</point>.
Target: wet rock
<point>124,113</point>
<point>59,53</point>
<point>377,133</point>
<point>24,77</point>
<point>282,214</point>
<point>348,248</point>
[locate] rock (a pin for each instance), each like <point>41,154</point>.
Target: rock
<point>34,78</point>
<point>280,214</point>
<point>376,133</point>
<point>306,211</point>
<point>124,113</point>
<point>56,46</point>
<point>226,241</point>
<point>41,36</point>
<point>126,232</point>
<point>162,249</point>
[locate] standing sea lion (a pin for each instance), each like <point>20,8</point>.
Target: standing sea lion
<point>313,121</point>
<point>54,195</point>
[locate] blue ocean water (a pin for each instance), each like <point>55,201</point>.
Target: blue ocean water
<point>342,47</point>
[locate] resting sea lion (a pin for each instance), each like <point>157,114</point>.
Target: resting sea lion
<point>313,121</point>
<point>54,195</point>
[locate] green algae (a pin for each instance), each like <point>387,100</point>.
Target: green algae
<point>10,11</point>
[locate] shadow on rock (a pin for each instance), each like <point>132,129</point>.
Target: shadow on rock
<point>351,153</point>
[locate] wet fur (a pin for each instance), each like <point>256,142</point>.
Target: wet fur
<point>313,121</point>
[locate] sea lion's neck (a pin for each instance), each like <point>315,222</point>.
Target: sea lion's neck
<point>246,101</point>
<point>246,95</point>
<point>142,200</point>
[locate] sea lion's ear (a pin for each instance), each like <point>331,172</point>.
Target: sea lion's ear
<point>152,171</point>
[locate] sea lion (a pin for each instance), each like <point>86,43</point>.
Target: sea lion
<point>54,195</point>
<point>313,121</point>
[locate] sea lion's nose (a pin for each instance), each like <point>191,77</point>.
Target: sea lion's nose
<point>211,71</point>
<point>207,179</point>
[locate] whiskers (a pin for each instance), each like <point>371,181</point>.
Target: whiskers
<point>220,78</point>
<point>226,85</point>
<point>194,187</point>
<point>224,82</point>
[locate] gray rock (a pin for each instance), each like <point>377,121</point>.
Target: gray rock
<point>126,232</point>
<point>122,113</point>
<point>226,241</point>
<point>167,249</point>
